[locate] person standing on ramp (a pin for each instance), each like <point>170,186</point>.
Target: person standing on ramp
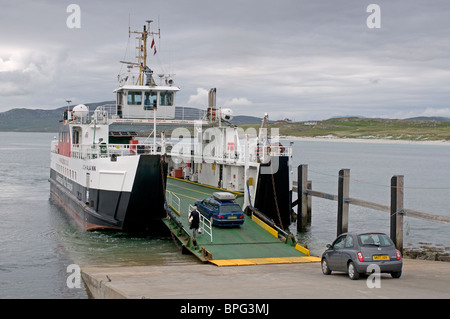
<point>194,220</point>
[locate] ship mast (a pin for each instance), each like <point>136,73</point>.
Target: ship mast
<point>141,50</point>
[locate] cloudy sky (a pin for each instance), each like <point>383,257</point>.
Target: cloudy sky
<point>290,58</point>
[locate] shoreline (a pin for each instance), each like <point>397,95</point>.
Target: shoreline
<point>330,138</point>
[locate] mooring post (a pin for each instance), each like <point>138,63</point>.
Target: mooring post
<point>343,204</point>
<point>309,203</point>
<point>302,210</point>
<point>397,211</point>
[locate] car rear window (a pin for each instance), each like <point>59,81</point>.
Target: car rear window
<point>234,208</point>
<point>375,239</point>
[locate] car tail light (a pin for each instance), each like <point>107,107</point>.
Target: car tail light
<point>220,216</point>
<point>360,256</point>
<point>241,217</point>
<point>399,256</point>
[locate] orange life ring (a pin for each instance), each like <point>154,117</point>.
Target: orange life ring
<point>212,115</point>
<point>280,147</point>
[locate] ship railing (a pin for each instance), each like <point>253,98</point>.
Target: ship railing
<point>173,201</point>
<point>112,150</point>
<point>133,149</point>
<point>230,154</point>
<point>205,223</point>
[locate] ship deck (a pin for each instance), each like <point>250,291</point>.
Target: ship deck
<point>252,243</point>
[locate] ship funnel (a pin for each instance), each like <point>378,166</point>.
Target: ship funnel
<point>211,112</point>
<point>212,98</point>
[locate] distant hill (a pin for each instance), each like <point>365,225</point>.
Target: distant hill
<point>424,129</point>
<point>429,118</point>
<point>35,120</point>
<point>38,120</point>
<point>245,119</point>
<point>27,120</point>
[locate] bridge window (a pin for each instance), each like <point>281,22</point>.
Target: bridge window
<point>150,100</point>
<point>134,98</point>
<point>166,98</point>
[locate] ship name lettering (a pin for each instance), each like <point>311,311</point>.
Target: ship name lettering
<point>89,167</point>
<point>64,161</point>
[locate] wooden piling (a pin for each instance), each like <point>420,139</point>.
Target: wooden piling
<point>397,211</point>
<point>302,210</point>
<point>309,203</point>
<point>343,201</point>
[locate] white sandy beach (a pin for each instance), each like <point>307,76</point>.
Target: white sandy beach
<point>330,138</point>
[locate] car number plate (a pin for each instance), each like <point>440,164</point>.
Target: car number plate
<point>232,217</point>
<point>380,257</point>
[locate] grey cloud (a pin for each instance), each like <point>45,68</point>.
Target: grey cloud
<point>290,58</point>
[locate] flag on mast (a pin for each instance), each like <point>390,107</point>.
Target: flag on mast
<point>153,45</point>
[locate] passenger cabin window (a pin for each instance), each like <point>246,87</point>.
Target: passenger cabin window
<point>134,98</point>
<point>150,100</point>
<point>166,98</point>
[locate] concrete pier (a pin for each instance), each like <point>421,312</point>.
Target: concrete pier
<point>420,279</point>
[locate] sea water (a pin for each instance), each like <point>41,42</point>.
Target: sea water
<point>38,241</point>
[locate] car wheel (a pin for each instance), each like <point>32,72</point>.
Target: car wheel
<point>396,274</point>
<point>325,269</point>
<point>351,270</point>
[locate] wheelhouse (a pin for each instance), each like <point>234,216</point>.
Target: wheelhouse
<point>146,102</point>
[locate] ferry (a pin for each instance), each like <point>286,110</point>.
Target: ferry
<point>107,177</point>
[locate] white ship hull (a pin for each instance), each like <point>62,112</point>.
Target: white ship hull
<point>124,194</point>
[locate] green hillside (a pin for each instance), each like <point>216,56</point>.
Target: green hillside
<point>35,120</point>
<point>369,128</point>
<point>419,129</point>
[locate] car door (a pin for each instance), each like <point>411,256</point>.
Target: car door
<point>203,208</point>
<point>335,253</point>
<point>347,252</point>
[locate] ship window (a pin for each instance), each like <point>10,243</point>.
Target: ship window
<point>134,98</point>
<point>166,98</point>
<point>150,100</point>
<point>119,98</point>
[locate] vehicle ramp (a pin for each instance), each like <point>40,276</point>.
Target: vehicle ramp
<point>253,243</point>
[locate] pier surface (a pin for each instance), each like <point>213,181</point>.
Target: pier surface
<point>420,279</point>
<point>269,268</point>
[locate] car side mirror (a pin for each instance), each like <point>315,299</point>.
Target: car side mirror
<point>328,245</point>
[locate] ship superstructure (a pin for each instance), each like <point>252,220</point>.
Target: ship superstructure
<point>108,177</point>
